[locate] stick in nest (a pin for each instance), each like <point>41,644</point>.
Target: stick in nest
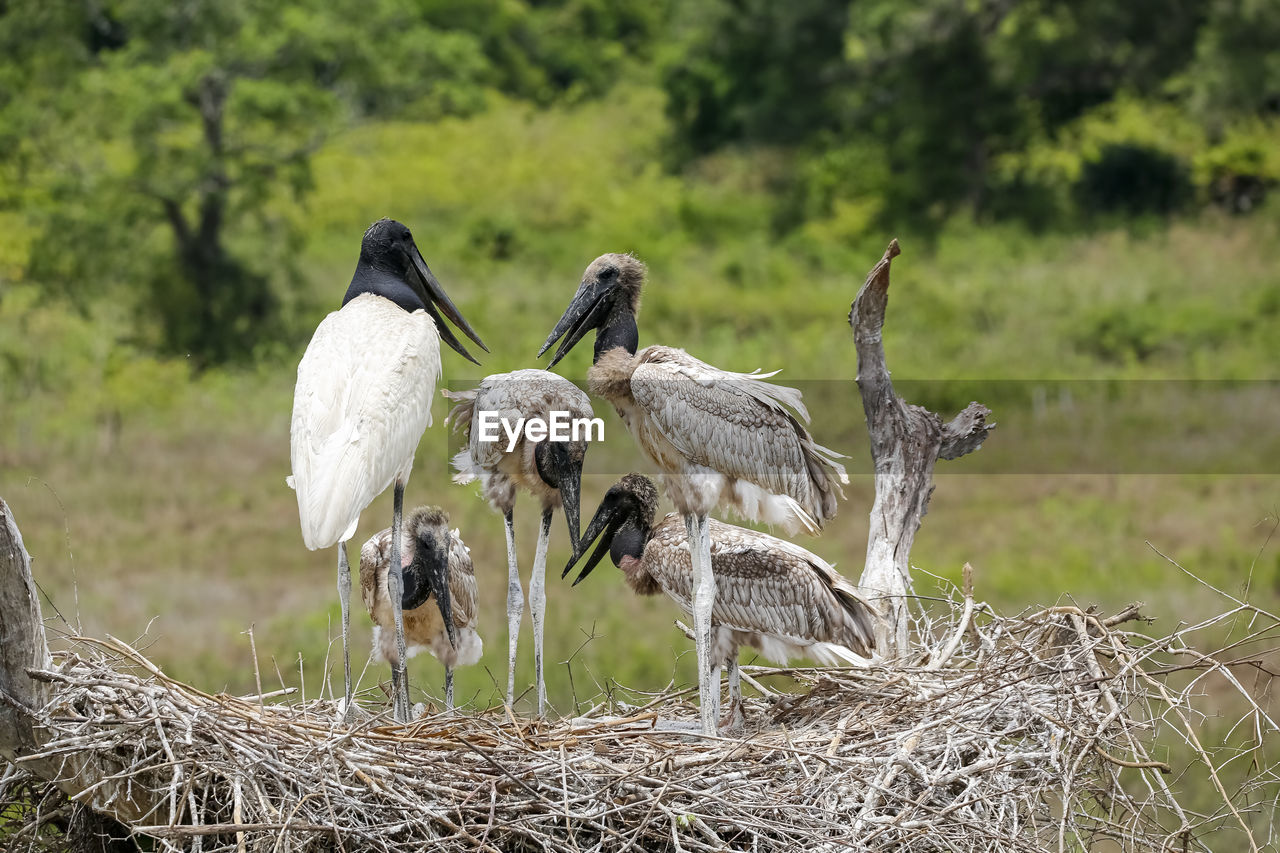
<point>973,751</point>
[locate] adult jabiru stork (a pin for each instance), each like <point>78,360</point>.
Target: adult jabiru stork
<point>719,438</point>
<point>550,471</point>
<point>362,402</point>
<point>438,602</point>
<point>771,595</point>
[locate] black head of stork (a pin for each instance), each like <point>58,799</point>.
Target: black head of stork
<point>427,574</point>
<point>391,266</point>
<point>559,465</point>
<point>607,299</point>
<point>622,522</point>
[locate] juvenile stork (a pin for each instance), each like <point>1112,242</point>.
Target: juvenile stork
<point>439,597</point>
<point>771,595</point>
<point>719,438</point>
<point>361,404</point>
<point>550,471</point>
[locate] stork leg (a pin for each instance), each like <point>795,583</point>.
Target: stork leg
<point>395,591</point>
<point>734,720</point>
<point>538,606</point>
<point>515,608</point>
<point>448,688</point>
<point>704,598</point>
<point>395,692</point>
<point>344,597</point>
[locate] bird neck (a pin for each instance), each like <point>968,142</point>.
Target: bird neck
<point>414,590</point>
<point>370,278</point>
<point>619,330</point>
<point>549,458</point>
<point>629,542</point>
<point>639,578</point>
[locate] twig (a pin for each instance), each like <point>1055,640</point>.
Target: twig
<point>965,615</point>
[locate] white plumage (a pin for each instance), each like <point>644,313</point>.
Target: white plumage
<point>362,402</point>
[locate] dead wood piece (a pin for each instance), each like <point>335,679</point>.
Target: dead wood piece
<point>906,442</point>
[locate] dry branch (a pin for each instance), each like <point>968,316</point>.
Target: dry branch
<point>906,442</point>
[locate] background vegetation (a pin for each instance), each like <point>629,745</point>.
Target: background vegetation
<point>1081,195</point>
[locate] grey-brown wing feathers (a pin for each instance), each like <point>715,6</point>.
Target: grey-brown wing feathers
<point>739,425</point>
<point>375,557</point>
<point>462,582</point>
<point>765,585</point>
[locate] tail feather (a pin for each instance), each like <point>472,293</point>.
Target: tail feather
<point>463,410</point>
<point>755,504</point>
<point>834,654</point>
<point>826,476</point>
<point>466,467</point>
<point>798,519</point>
<point>461,416</point>
<point>860,617</point>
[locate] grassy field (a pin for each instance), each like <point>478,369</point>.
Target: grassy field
<point>154,505</point>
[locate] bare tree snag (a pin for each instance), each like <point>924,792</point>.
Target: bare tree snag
<point>22,643</point>
<point>24,699</point>
<point>906,442</point>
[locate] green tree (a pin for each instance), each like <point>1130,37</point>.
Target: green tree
<point>756,71</point>
<point>546,50</point>
<point>1237,68</point>
<point>149,140</point>
<point>148,137</point>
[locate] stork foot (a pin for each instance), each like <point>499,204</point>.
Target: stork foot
<point>350,713</point>
<point>733,721</point>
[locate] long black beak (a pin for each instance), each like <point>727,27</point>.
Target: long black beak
<point>606,521</point>
<point>428,574</point>
<point>587,311</point>
<point>436,298</point>
<point>570,498</point>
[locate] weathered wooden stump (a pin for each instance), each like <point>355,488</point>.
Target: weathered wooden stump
<point>906,442</point>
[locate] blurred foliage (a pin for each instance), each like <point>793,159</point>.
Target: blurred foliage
<point>145,141</point>
<point>159,156</point>
<point>1133,179</point>
<point>755,71</point>
<point>911,114</point>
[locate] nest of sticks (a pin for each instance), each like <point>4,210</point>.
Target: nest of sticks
<point>1049,730</point>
